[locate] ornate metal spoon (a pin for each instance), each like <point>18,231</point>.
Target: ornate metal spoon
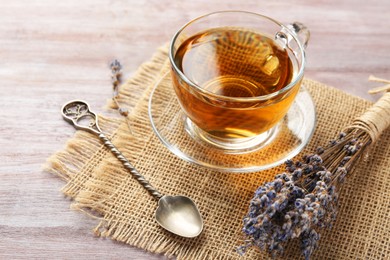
<point>177,214</point>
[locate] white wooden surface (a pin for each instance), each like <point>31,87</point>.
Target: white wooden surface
<point>54,51</point>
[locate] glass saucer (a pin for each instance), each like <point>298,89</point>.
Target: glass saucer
<point>168,122</point>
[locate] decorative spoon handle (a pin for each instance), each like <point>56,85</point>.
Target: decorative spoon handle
<point>140,178</point>
<point>78,113</point>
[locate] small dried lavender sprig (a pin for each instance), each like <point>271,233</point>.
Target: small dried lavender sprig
<point>303,199</point>
<point>116,73</point>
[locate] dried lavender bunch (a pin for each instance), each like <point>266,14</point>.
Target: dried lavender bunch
<point>303,199</point>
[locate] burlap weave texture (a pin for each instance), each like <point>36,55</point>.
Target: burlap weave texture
<point>99,184</point>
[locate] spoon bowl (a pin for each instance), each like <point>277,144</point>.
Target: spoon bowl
<point>179,215</point>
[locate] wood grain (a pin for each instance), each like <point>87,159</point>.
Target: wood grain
<point>53,51</point>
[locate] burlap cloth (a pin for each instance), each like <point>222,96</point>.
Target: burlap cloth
<point>99,185</point>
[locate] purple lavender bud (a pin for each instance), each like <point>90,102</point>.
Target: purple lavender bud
<point>287,225</point>
<point>271,194</point>
<point>300,203</point>
<point>345,160</point>
<point>284,204</point>
<point>297,192</point>
<point>320,150</point>
<point>276,205</point>
<point>289,163</point>
<point>307,168</point>
<point>341,170</point>
<point>250,230</point>
<point>271,211</point>
<point>278,185</point>
<point>321,184</point>
<point>291,168</point>
<point>297,173</point>
<point>331,190</point>
<point>316,159</point>
<point>285,177</point>
<point>260,191</point>
<point>309,242</point>
<point>269,185</point>
<point>314,205</point>
<point>241,250</point>
<point>265,220</point>
<point>307,158</point>
<point>289,184</point>
<point>323,198</point>
<point>264,200</point>
<point>310,197</point>
<point>342,135</point>
<point>327,179</point>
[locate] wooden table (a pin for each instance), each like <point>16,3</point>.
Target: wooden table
<point>54,51</point>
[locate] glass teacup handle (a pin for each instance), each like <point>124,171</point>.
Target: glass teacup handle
<point>301,31</point>
<point>296,28</point>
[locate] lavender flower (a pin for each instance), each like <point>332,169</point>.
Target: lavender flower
<point>303,199</point>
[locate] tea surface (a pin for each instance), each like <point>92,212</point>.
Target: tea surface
<point>234,62</point>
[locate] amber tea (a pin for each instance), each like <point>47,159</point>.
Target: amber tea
<point>234,63</point>
<point>231,68</point>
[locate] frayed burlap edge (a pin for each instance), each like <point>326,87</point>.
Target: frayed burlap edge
<point>74,163</point>
<point>99,185</point>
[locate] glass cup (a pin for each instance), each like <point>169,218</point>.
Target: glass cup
<point>235,75</point>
